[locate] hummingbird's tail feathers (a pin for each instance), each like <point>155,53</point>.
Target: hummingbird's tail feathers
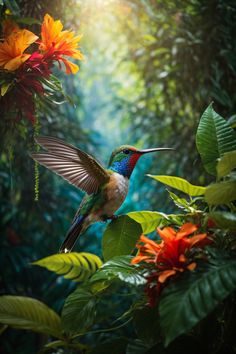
<point>72,234</point>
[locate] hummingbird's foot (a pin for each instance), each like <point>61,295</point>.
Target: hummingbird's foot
<point>106,218</point>
<point>113,217</point>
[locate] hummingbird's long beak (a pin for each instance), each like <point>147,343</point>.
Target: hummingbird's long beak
<point>146,151</point>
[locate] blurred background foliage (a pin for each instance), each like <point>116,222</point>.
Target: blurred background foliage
<point>151,69</point>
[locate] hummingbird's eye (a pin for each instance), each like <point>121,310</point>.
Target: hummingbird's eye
<point>126,151</point>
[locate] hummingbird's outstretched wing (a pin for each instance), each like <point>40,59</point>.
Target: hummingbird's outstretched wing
<point>74,165</point>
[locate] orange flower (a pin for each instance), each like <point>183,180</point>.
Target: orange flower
<point>174,248</point>
<point>56,43</point>
<point>148,250</point>
<point>12,54</point>
<point>169,255</point>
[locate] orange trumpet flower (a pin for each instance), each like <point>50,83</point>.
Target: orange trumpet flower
<point>12,54</point>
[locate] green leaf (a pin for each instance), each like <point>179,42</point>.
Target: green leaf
<point>149,220</point>
<point>77,347</point>
<point>138,346</point>
<point>120,237</point>
<point>3,328</point>
<point>180,184</point>
<point>232,121</point>
<point>120,267</point>
<point>214,138</point>
<point>179,202</point>
<point>226,164</point>
<point>79,311</point>
<point>75,266</point>
<point>28,21</point>
<point>53,84</point>
<point>224,220</point>
<point>27,313</point>
<point>147,324</point>
<point>5,87</point>
<point>192,297</point>
<point>221,193</point>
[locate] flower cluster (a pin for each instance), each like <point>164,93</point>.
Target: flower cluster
<point>27,60</point>
<point>172,255</point>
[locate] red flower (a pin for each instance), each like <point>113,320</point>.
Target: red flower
<point>27,84</point>
<point>175,245</point>
<point>169,256</point>
<point>39,65</point>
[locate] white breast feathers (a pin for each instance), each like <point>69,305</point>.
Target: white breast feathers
<point>117,190</point>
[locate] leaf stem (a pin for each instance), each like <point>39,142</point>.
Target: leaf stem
<point>103,330</point>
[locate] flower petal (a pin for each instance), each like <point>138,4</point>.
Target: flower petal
<point>78,55</point>
<point>139,258</point>
<point>57,44</point>
<point>166,274</point>
<point>21,40</point>
<point>11,50</point>
<point>71,68</point>
<point>186,229</point>
<point>16,62</point>
<point>192,266</point>
<point>50,31</point>
<point>182,258</point>
<point>168,233</point>
<point>154,245</point>
<point>197,239</point>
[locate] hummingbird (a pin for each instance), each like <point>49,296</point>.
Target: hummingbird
<point>106,189</point>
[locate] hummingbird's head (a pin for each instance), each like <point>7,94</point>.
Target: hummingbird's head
<point>124,158</point>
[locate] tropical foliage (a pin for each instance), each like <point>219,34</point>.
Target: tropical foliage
<point>162,279</point>
<point>185,276</point>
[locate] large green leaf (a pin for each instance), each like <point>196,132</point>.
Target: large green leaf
<point>79,311</point>
<point>120,237</point>
<point>193,296</point>
<point>214,138</point>
<point>221,193</point>
<point>120,267</point>
<point>147,324</point>
<point>180,184</point>
<point>27,313</point>
<point>75,266</point>
<point>149,220</point>
<point>226,164</point>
